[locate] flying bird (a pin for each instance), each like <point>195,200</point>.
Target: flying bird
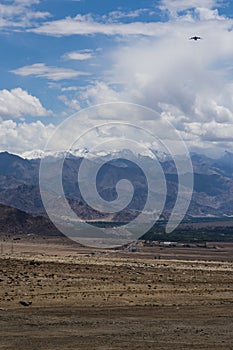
<point>195,38</point>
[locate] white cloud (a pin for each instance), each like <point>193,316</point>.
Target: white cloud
<point>70,88</point>
<point>86,25</point>
<point>72,104</point>
<point>192,11</point>
<point>20,137</point>
<point>189,83</point>
<point>175,6</point>
<point>207,14</point>
<point>115,15</point>
<point>17,103</point>
<point>78,55</point>
<point>99,92</point>
<point>27,2</point>
<point>17,13</point>
<point>53,73</point>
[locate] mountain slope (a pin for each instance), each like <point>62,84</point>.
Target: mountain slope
<point>16,222</point>
<point>212,194</point>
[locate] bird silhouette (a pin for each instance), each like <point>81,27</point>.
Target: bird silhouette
<point>195,38</point>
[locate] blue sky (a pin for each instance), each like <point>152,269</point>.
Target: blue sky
<point>58,57</point>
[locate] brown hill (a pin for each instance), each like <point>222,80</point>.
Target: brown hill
<point>17,222</point>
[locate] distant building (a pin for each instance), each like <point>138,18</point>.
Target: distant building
<point>168,244</point>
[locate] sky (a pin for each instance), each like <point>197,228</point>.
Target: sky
<point>59,57</point>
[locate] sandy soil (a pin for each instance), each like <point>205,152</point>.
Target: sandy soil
<point>83,299</point>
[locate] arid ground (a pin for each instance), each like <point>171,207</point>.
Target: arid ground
<point>55,295</point>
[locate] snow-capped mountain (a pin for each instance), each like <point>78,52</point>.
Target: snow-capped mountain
<point>212,194</point>
<point>85,153</point>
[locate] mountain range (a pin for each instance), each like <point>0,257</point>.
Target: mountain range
<point>212,193</point>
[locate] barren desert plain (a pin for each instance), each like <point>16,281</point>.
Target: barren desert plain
<point>57,295</point>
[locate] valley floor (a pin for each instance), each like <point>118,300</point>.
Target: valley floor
<point>83,299</point>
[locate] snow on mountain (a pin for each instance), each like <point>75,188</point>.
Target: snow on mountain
<point>85,153</point>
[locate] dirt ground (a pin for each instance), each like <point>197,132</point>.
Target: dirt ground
<point>84,299</point>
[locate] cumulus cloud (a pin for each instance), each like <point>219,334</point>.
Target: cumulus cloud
<point>20,137</point>
<point>207,14</point>
<point>17,103</point>
<point>189,83</point>
<point>71,104</point>
<point>53,73</point>
<point>100,92</point>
